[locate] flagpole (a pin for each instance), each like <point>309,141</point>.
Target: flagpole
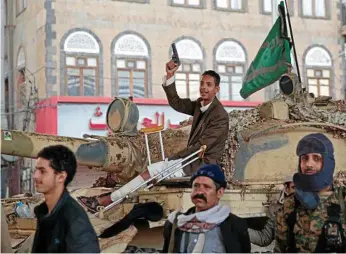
<point>293,44</point>
<point>270,91</point>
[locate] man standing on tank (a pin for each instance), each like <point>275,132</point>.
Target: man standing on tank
<point>210,119</point>
<point>210,126</point>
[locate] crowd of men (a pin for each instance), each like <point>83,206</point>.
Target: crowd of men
<point>309,216</point>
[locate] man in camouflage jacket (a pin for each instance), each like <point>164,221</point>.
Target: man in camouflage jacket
<point>304,222</point>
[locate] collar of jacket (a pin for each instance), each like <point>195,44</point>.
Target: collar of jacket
<point>204,108</point>
<point>190,210</point>
<point>41,211</point>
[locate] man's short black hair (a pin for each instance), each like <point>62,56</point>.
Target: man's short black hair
<point>61,159</point>
<point>213,74</point>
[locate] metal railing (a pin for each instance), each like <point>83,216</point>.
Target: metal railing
<point>167,172</point>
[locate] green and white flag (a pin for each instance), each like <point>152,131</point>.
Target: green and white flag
<point>272,59</point>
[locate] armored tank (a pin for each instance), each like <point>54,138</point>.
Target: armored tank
<point>259,154</point>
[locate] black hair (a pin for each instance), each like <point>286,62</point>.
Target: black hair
<point>213,74</point>
<point>61,159</point>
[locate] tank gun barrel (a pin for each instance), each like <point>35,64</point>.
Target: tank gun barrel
<point>107,154</point>
<point>25,144</point>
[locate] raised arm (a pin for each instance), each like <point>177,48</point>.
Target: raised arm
<point>182,105</point>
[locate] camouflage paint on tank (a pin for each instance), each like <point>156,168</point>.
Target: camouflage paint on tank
<point>26,144</point>
<point>112,155</point>
<point>249,149</point>
<point>272,157</point>
<point>93,152</point>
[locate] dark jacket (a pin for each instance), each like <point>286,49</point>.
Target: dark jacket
<point>66,229</point>
<point>234,232</point>
<point>211,129</point>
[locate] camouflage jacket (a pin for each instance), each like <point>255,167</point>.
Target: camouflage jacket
<point>309,223</point>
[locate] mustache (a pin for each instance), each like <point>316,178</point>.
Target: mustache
<point>200,196</point>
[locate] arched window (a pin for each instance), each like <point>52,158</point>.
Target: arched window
<point>82,57</point>
<point>189,72</point>
<point>318,65</point>
<point>131,66</point>
<point>21,84</point>
<point>230,61</point>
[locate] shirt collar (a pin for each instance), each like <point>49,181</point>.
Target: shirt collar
<point>205,108</point>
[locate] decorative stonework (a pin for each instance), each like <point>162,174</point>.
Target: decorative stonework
<point>188,49</point>
<point>318,56</point>
<point>50,45</point>
<point>131,45</point>
<point>230,51</point>
<point>81,42</point>
<point>21,58</point>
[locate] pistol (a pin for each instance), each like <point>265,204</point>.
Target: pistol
<point>175,56</point>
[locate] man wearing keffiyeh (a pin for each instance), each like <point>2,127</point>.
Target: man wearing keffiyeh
<point>208,226</point>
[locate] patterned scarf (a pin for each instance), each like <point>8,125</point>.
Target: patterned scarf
<point>201,222</point>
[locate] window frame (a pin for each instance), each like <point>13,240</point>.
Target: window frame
<point>343,15</point>
<point>230,75</point>
<point>127,54</point>
<point>244,8</point>
<point>135,1</point>
<point>202,4</point>
<point>231,61</point>
<point>327,10</point>
<point>318,85</point>
<point>25,5</point>
<point>190,62</point>
<point>81,76</point>
<point>131,70</point>
<point>290,7</point>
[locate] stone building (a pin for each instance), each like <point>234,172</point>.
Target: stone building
<point>107,48</point>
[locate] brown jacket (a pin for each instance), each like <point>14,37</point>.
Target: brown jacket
<point>212,129</point>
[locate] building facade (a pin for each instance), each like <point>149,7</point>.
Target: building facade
<point>102,49</point>
<point>119,48</point>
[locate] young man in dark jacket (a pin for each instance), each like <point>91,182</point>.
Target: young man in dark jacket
<point>62,224</point>
<point>208,226</point>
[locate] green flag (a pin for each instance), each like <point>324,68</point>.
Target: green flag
<point>272,59</point>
